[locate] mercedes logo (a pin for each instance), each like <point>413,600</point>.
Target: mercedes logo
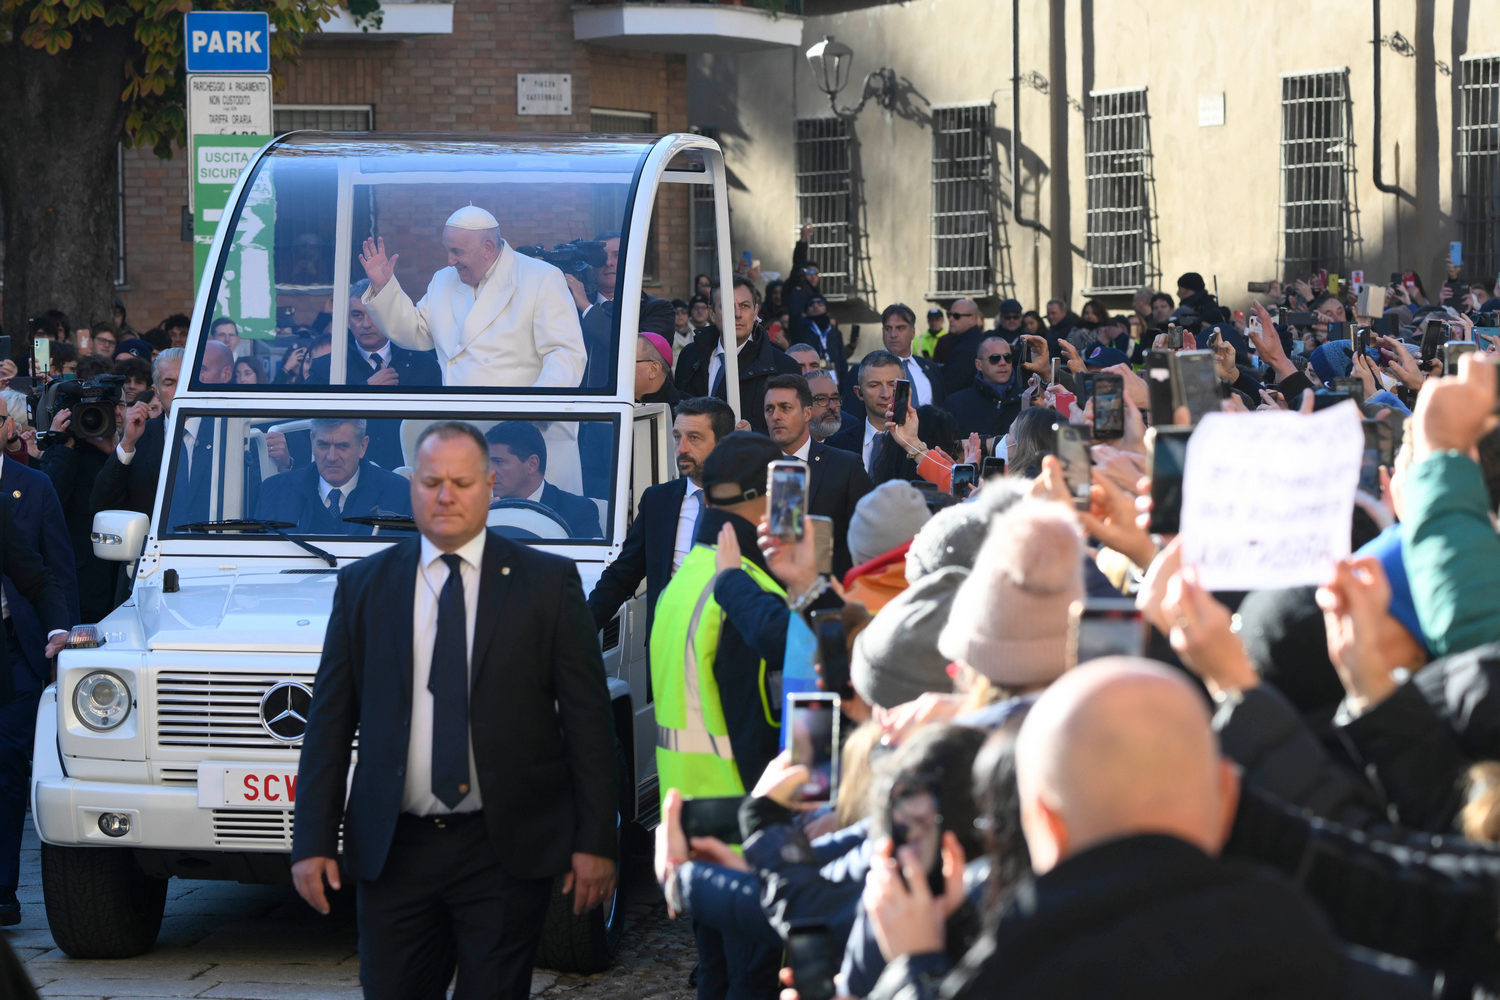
<point>284,709</point>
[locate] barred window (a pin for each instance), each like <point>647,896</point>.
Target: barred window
<point>1317,159</point>
<point>609,205</point>
<point>823,200</point>
<point>1479,164</point>
<point>963,202</point>
<point>1117,172</point>
<point>322,118</point>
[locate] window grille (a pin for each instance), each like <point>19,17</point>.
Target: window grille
<point>963,202</point>
<point>1117,171</point>
<point>609,203</point>
<point>321,118</point>
<point>823,200</point>
<point>1479,164</point>
<point>1317,159</point>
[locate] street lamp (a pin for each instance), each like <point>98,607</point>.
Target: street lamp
<point>830,61</point>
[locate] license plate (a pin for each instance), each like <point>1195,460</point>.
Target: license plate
<point>246,786</point>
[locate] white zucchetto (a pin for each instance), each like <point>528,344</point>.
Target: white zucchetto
<point>472,217</point>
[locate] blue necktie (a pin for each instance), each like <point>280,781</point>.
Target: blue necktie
<point>448,680</point>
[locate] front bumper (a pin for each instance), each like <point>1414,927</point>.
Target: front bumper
<point>67,813</point>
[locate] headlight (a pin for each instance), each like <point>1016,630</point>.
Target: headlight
<point>101,700</point>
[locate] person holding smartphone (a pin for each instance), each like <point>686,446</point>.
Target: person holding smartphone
<point>993,398</point>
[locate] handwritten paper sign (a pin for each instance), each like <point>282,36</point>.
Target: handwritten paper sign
<point>1268,498</point>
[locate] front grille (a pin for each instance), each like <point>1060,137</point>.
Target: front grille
<point>180,776</point>
<point>216,709</point>
<point>252,828</point>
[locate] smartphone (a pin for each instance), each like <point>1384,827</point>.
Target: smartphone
<point>1434,336</point>
<point>1452,351</point>
<point>1351,387</point>
<point>1109,406</point>
<point>1195,383</point>
<point>813,727</point>
<point>1083,388</point>
<point>1456,253</point>
<point>1377,452</point>
<point>810,956</point>
<point>1338,330</point>
<point>1383,326</point>
<point>901,402</point>
<point>286,316</point>
<point>745,259</point>
<point>713,817</point>
<point>1324,398</point>
<point>965,478</point>
<point>41,350</point>
<point>1409,280</point>
<point>833,649</point>
<point>822,532</point>
<point>1168,462</point>
<point>1395,278</point>
<point>786,491</point>
<point>1021,351</point>
<point>1299,319</point>
<point>1362,337</point>
<point>1174,337</point>
<point>991,468</point>
<point>1258,287</point>
<point>1057,370</point>
<point>1159,386</point>
<point>914,816</point>
<point>1104,626</point>
<point>1071,445</point>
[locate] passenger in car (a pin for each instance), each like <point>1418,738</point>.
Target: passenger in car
<point>340,483</point>
<point>518,457</point>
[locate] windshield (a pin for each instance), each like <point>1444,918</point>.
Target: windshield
<point>326,475</point>
<point>393,262</point>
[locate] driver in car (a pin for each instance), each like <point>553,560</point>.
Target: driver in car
<point>518,457</point>
<point>340,483</point>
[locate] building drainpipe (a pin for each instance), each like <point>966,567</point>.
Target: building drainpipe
<point>1057,71</point>
<point>1015,156</point>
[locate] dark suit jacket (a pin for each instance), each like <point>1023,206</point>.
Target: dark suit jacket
<point>850,437</point>
<point>598,323</point>
<point>412,367</point>
<point>133,486</point>
<point>802,332</point>
<point>759,359</point>
<point>544,741</point>
<point>934,373</point>
<point>293,496</point>
<point>581,513</point>
<point>646,554</point>
<point>37,518</point>
<point>73,472</point>
<point>836,481</point>
<point>27,574</point>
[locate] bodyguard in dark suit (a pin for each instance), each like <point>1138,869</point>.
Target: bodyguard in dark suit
<point>468,665</point>
<point>339,484</point>
<point>42,598</point>
<point>835,480</point>
<point>699,374</point>
<point>518,458</point>
<point>898,330</point>
<point>662,532</point>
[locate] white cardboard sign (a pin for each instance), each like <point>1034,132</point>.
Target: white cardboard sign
<point>1268,497</point>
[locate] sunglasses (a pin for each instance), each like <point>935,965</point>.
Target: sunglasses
<point>954,315</point>
<point>995,359</point>
<point>810,270</point>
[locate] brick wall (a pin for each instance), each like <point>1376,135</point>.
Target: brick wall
<point>464,82</point>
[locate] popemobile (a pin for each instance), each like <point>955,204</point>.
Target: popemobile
<point>168,745</point>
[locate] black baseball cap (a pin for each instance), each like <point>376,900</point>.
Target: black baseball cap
<point>735,471</point>
<point>934,311</point>
<point>697,299</point>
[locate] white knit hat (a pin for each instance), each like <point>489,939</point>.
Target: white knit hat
<point>886,518</point>
<point>1009,620</point>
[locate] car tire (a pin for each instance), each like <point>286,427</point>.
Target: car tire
<point>99,902</point>
<point>583,944</point>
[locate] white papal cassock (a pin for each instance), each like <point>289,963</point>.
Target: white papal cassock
<point>519,328</point>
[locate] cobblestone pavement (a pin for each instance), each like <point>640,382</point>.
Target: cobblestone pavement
<point>225,941</point>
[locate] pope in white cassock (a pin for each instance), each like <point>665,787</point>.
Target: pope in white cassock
<point>495,318</point>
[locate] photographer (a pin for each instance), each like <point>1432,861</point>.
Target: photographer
<point>596,308</point>
<point>74,464</point>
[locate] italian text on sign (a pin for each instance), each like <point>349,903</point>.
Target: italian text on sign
<point>227,42</point>
<point>221,164</point>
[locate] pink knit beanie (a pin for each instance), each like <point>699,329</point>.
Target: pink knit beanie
<point>1009,620</point>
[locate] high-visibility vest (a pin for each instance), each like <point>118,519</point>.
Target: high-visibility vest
<point>693,752</point>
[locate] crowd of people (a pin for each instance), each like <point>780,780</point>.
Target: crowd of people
<point>1280,792</point>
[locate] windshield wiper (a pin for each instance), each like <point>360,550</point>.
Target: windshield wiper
<point>272,528</point>
<point>392,522</point>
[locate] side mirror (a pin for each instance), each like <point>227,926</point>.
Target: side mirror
<point>119,535</point>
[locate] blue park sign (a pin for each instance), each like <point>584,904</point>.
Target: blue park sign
<point>227,41</point>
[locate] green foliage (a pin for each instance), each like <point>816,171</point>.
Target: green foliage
<point>154,85</point>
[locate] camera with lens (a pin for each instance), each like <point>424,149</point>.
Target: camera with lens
<point>92,404</point>
<point>580,258</point>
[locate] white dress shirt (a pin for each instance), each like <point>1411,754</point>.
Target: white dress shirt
<point>801,453</point>
<point>384,354</point>
<point>432,575</point>
<point>687,519</point>
<point>325,487</point>
<point>921,387</point>
<point>870,431</point>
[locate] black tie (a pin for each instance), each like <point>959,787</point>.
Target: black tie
<point>335,496</point>
<point>448,680</point>
<point>375,362</point>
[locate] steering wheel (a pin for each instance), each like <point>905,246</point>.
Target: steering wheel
<point>527,520</point>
